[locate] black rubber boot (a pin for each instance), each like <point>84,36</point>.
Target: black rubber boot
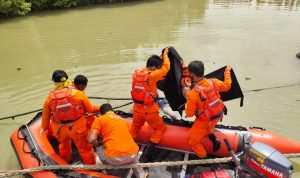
<point>215,141</point>
<point>149,153</point>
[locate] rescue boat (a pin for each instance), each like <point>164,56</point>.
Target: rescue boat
<point>33,149</point>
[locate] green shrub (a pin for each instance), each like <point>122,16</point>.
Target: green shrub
<point>14,7</point>
<point>22,7</point>
<point>37,5</point>
<point>65,3</point>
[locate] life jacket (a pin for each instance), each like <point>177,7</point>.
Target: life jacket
<point>213,105</point>
<point>140,92</point>
<point>63,107</point>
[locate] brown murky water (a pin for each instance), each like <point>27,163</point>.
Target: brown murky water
<point>105,43</point>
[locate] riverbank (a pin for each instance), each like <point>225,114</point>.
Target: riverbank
<point>11,8</point>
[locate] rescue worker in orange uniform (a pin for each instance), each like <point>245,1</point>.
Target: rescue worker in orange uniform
<point>65,108</point>
<point>80,82</point>
<point>118,146</point>
<point>144,95</point>
<point>204,102</point>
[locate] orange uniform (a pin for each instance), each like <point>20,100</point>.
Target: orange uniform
<point>149,113</point>
<point>76,130</point>
<point>89,120</point>
<point>202,126</point>
<point>115,135</point>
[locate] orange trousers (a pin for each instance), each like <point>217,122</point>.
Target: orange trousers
<point>154,121</point>
<point>76,131</point>
<point>200,129</point>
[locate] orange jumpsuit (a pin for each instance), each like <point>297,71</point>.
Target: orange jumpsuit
<point>76,130</point>
<point>118,146</point>
<point>115,135</point>
<point>89,120</point>
<point>202,126</point>
<point>149,113</point>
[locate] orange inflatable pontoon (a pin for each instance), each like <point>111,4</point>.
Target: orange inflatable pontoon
<point>34,149</point>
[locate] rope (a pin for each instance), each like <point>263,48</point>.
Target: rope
<point>269,88</point>
<point>98,113</point>
<point>9,173</point>
<point>292,155</point>
<point>126,104</point>
<point>13,117</point>
<point>120,99</point>
<point>37,110</point>
<point>105,98</point>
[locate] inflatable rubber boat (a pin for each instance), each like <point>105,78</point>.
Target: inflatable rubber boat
<point>33,149</point>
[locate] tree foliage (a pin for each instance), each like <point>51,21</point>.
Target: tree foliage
<point>37,5</point>
<point>14,7</point>
<point>22,7</point>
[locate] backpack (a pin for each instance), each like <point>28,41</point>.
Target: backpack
<point>140,92</point>
<point>213,105</point>
<point>63,107</point>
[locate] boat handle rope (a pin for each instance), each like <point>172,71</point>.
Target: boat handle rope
<point>24,141</point>
<point>98,113</point>
<point>38,110</point>
<point>40,160</point>
<point>122,99</point>
<point>10,173</point>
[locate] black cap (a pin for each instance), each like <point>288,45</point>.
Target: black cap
<point>58,75</point>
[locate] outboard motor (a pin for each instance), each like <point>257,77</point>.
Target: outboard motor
<point>261,160</point>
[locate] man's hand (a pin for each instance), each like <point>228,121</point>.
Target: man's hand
<point>185,91</point>
<point>93,137</point>
<point>228,67</point>
<point>166,52</point>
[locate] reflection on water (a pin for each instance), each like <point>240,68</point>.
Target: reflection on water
<point>260,4</point>
<point>106,43</point>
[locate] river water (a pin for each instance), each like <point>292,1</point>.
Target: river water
<point>106,43</point>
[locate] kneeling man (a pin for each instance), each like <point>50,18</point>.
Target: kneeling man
<point>118,145</point>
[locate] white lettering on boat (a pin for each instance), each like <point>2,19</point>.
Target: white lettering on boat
<point>272,171</point>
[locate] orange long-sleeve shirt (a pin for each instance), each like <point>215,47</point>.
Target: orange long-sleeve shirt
<point>154,77</point>
<point>193,100</point>
<point>78,96</point>
<point>115,135</point>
